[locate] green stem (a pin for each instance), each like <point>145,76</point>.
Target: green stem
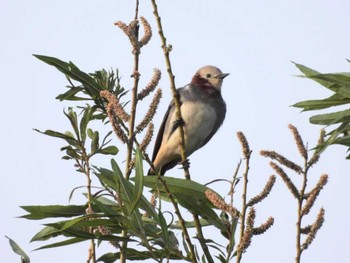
<point>166,51</point>
<point>85,165</point>
<point>244,207</point>
<point>300,215</point>
<point>131,134</point>
<point>202,239</point>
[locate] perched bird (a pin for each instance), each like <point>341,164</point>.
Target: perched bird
<point>203,111</point>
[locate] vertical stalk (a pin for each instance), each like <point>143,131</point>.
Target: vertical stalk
<point>136,76</point>
<point>300,207</point>
<point>202,239</point>
<point>85,165</point>
<point>166,51</point>
<point>176,100</point>
<point>131,134</point>
<point>244,207</point>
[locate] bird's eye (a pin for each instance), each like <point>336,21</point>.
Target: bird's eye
<point>208,76</point>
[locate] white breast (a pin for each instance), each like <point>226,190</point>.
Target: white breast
<point>199,121</point>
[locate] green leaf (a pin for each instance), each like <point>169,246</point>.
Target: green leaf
<point>139,175</point>
<point>112,150</point>
<point>85,121</point>
<point>164,227</point>
<point>201,208</point>
<point>308,72</point>
<point>70,94</point>
<point>341,80</point>
<point>177,186</point>
<point>90,133</point>
<point>63,243</point>
<point>334,100</point>
<point>19,251</point>
<point>57,134</point>
<point>190,195</point>
<point>95,142</point>
<point>69,69</point>
<point>46,233</point>
<point>107,177</point>
<point>41,212</point>
<point>73,118</point>
<point>127,191</point>
<point>133,254</point>
<point>331,118</point>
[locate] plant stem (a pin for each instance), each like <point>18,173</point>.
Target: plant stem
<point>85,165</point>
<point>244,207</point>
<point>300,216</point>
<point>131,134</point>
<point>166,51</point>
<point>202,239</point>
<point>181,220</point>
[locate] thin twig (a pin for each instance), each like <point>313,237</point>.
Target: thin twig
<point>244,206</point>
<point>166,51</point>
<point>176,100</point>
<point>130,144</point>
<point>85,166</point>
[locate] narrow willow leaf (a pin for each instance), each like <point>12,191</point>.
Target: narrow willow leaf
<point>108,210</point>
<point>84,122</point>
<point>42,212</point>
<point>178,186</point>
<point>334,100</point>
<point>107,177</point>
<point>308,72</point>
<point>133,254</point>
<point>46,233</point>
<point>341,80</point>
<point>344,140</point>
<point>73,118</point>
<point>202,209</point>
<point>165,231</point>
<point>70,94</point>
<point>331,118</point>
<point>63,243</point>
<point>95,142</point>
<point>125,190</point>
<point>92,88</point>
<point>72,153</point>
<point>190,224</point>
<point>56,134</point>
<point>69,223</point>
<point>90,133</point>
<point>19,251</point>
<point>112,150</point>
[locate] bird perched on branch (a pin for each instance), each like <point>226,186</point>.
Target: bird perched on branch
<point>203,111</point>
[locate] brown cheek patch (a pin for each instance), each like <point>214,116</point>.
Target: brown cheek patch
<point>199,81</point>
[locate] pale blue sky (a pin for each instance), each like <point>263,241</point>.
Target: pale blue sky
<point>253,40</point>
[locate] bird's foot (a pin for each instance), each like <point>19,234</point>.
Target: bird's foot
<point>185,164</point>
<point>179,122</point>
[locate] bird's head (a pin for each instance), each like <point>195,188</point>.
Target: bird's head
<point>209,76</point>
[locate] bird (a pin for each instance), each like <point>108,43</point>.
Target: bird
<point>203,111</point>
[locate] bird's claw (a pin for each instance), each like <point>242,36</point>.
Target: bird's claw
<point>185,164</point>
<point>179,122</point>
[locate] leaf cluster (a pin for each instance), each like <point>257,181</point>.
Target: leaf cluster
<point>339,85</point>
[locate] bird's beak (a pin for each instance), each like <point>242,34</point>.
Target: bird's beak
<point>222,75</point>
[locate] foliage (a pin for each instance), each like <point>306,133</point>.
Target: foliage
<point>117,210</point>
<point>339,85</point>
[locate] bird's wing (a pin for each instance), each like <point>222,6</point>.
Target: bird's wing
<point>162,128</point>
<point>220,113</point>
